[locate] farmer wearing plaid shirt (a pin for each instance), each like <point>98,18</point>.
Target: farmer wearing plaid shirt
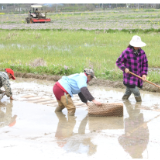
<point>133,59</point>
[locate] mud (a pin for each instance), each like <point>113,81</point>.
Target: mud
<point>31,130</point>
<point>94,82</point>
<point>37,76</point>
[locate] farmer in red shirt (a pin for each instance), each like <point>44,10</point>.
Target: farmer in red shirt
<point>133,59</point>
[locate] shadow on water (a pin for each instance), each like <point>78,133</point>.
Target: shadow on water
<point>136,137</point>
<point>6,118</point>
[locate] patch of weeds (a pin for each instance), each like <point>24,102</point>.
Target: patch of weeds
<point>38,62</point>
<point>53,69</point>
<point>150,10</point>
<point>154,77</point>
<point>149,79</point>
<point>9,22</point>
<point>113,75</point>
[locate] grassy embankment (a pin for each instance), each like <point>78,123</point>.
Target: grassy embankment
<point>67,52</point>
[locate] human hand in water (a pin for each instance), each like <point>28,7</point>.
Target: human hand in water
<point>97,103</point>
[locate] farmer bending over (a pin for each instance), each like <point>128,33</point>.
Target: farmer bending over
<point>133,59</point>
<point>4,82</point>
<point>73,84</point>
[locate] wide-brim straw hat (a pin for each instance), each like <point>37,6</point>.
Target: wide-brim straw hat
<point>137,42</point>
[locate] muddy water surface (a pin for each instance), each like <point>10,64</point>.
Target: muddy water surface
<point>35,131</point>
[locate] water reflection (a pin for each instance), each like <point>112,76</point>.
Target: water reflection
<point>65,130</point>
<point>104,123</point>
<point>81,142</point>
<point>67,138</point>
<point>136,137</point>
<point>65,127</point>
<point>6,118</point>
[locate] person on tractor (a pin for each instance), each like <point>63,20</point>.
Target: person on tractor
<point>37,12</point>
<point>4,82</point>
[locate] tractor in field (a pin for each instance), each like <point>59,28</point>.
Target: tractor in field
<point>36,16</point>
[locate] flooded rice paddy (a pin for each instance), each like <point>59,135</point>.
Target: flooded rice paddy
<point>30,129</point>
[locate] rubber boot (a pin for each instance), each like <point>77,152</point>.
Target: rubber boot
<point>125,97</point>
<point>70,113</point>
<point>68,103</point>
<point>60,107</point>
<point>72,119</point>
<point>138,99</point>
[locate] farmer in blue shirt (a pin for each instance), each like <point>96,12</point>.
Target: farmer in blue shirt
<point>73,84</point>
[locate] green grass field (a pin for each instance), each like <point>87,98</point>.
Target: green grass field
<point>108,19</point>
<point>67,52</point>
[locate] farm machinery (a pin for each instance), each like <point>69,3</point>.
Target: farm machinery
<point>36,16</point>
